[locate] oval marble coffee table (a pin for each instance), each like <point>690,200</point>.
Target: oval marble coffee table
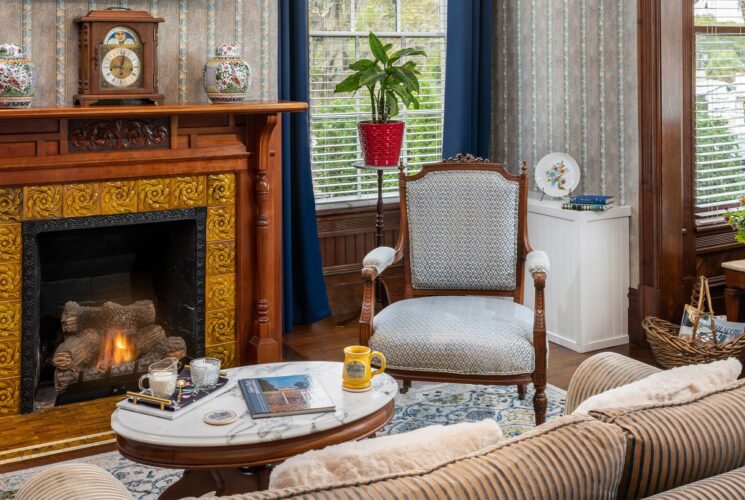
<point>212,455</point>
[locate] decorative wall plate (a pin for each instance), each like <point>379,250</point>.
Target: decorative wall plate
<point>557,174</point>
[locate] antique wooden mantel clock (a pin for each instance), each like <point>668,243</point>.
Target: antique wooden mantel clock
<point>118,60</point>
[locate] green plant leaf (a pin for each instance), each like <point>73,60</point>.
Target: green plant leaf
<point>410,51</point>
<point>412,76</point>
<point>362,65</point>
<point>392,102</point>
<point>371,76</point>
<point>349,84</point>
<point>406,80</point>
<point>377,48</point>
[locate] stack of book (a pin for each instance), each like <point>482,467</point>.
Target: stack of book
<point>593,202</point>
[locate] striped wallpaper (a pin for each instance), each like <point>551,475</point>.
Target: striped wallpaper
<point>565,80</point>
<point>191,31</point>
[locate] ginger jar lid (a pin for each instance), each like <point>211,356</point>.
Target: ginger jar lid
<point>228,50</point>
<point>10,51</point>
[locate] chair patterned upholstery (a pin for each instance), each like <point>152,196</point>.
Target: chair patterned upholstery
<point>463,230</point>
<point>460,335</point>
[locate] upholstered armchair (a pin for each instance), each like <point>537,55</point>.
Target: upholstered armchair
<point>464,246</point>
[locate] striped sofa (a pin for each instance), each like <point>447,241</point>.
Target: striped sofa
<point>688,450</point>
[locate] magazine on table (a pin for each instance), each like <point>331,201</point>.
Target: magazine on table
<point>726,330</point>
<point>284,395</point>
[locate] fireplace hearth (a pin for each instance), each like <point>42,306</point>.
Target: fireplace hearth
<point>106,296</point>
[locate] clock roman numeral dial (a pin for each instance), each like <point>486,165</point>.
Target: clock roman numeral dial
<point>121,67</point>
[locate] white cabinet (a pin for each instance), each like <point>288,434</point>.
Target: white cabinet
<point>587,286</point>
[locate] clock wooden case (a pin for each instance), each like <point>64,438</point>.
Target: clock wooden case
<point>118,57</point>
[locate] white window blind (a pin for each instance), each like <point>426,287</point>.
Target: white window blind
<point>719,108</point>
<point>338,37</point>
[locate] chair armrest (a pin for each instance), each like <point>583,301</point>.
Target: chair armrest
<point>379,259</point>
<point>537,262</point>
<point>603,372</point>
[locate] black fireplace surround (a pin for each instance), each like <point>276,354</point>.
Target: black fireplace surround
<point>158,256</point>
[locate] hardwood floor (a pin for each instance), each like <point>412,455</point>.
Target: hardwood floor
<point>325,340</point>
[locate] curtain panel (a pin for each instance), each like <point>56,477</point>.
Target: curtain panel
<point>467,121</point>
<point>303,286</point>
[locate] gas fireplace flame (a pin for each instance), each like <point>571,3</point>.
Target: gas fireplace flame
<point>116,349</point>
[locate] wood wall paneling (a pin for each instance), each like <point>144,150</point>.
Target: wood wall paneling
<point>346,236</point>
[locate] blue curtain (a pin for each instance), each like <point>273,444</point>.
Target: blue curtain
<point>468,78</point>
<point>304,290</point>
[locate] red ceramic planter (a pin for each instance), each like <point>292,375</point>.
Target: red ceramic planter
<point>381,142</point>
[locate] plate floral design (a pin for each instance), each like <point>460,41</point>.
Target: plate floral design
<point>557,174</point>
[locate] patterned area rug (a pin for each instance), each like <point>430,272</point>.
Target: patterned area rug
<point>421,406</point>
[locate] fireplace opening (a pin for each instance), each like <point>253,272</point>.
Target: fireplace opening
<point>105,297</point>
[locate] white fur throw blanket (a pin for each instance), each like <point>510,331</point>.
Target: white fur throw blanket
<point>370,458</point>
<point>676,384</point>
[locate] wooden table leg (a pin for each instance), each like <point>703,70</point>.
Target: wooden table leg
<point>197,482</point>
<point>732,303</point>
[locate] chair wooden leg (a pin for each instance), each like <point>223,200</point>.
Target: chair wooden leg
<point>540,403</point>
<point>406,386</point>
<point>521,391</point>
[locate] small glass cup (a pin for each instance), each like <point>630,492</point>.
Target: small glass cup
<point>162,378</point>
<point>205,373</point>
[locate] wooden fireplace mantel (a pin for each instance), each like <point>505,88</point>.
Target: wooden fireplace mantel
<point>62,148</point>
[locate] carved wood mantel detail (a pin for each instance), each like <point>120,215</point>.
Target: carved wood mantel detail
<point>97,161</point>
<point>107,135</point>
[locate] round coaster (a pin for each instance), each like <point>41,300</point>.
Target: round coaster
<point>220,417</point>
<point>357,390</point>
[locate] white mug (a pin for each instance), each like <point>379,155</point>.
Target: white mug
<point>162,377</point>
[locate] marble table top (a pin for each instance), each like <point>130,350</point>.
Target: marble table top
<point>190,429</point>
<point>734,265</point>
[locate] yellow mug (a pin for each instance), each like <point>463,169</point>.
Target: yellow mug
<point>357,376</point>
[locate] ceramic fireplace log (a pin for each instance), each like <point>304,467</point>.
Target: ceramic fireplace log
<point>64,378</point>
<point>78,350</point>
<point>76,317</point>
<point>173,347</point>
<point>148,337</point>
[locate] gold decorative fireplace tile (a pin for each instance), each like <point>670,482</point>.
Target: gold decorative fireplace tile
<point>215,192</point>
<point>80,200</point>
<point>220,293</point>
<point>188,192</point>
<point>10,242</point>
<point>153,194</point>
<point>10,281</point>
<point>10,358</point>
<point>10,319</point>
<point>220,257</point>
<point>223,352</point>
<point>10,395</point>
<point>220,326</point>
<point>42,202</point>
<point>10,204</point>
<point>220,189</point>
<point>221,223</point>
<point>118,197</point>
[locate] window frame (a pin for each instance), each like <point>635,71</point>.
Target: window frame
<point>365,196</point>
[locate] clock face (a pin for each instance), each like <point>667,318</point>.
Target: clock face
<point>121,67</point>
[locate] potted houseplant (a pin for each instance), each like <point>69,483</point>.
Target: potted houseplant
<point>388,81</point>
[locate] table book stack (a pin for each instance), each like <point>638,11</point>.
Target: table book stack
<point>592,202</point>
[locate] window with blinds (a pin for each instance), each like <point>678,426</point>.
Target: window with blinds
<point>338,37</point>
<point>719,108</point>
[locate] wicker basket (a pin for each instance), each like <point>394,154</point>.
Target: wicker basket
<point>670,350</point>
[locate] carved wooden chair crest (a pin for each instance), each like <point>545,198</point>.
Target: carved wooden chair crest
<point>464,247</point>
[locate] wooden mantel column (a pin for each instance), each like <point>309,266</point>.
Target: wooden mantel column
<point>264,345</point>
